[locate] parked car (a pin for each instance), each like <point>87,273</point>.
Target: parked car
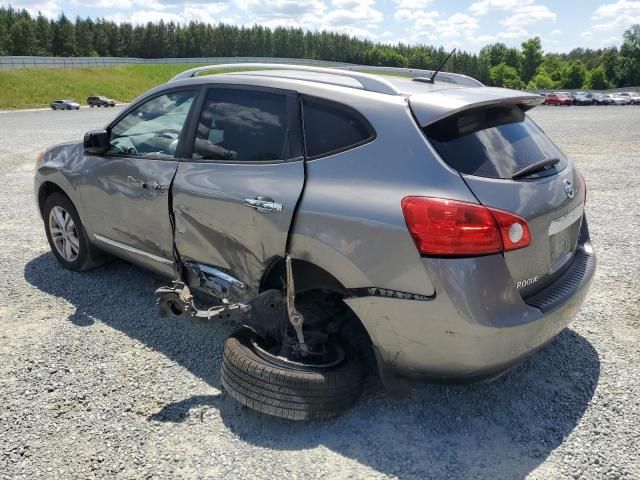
<point>557,99</point>
<point>100,102</point>
<point>64,105</point>
<point>281,193</point>
<point>601,99</point>
<point>634,98</point>
<point>583,98</point>
<point>619,99</point>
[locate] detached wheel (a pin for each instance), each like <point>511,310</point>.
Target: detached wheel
<point>66,235</point>
<point>272,385</point>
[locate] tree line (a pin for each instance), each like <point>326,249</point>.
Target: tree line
<point>496,64</point>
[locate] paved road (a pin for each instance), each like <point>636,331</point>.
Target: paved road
<point>93,385</point>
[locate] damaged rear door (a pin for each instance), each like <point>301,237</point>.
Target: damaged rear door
<point>234,200</point>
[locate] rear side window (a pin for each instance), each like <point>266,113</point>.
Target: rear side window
<point>494,142</point>
<point>243,125</point>
<point>330,127</point>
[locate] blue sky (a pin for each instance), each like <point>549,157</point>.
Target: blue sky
<point>467,24</point>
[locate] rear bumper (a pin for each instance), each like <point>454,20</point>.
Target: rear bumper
<point>478,324</point>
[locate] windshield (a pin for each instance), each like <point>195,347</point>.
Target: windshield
<point>494,142</point>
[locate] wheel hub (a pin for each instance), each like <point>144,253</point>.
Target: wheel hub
<point>269,351</point>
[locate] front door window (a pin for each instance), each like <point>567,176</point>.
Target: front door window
<point>153,129</point>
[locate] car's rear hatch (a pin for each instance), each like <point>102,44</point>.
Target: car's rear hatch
<point>509,164</point>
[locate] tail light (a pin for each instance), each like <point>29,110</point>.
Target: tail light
<point>452,228</point>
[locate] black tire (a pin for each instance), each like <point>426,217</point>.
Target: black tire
<point>91,105</point>
<point>287,393</point>
<point>88,255</point>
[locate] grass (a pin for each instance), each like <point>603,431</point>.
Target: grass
<point>37,87</point>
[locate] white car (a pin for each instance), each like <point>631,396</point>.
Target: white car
<point>64,105</point>
<point>634,98</point>
<point>619,100</point>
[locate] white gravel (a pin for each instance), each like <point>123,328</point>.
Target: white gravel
<point>93,385</point>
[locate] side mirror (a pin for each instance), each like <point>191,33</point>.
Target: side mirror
<point>96,142</point>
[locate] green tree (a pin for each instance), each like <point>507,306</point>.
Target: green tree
<point>43,35</point>
<point>22,34</point>
<point>419,58</point>
<point>628,66</point>
<point>503,75</point>
<point>494,54</point>
<point>513,58</point>
<point>4,39</point>
<point>608,60</point>
<point>597,79</point>
<point>574,75</point>
<point>631,44</point>
<point>531,58</point>
<point>542,81</point>
<point>101,38</point>
<point>627,71</point>
<point>84,37</point>
<point>23,37</point>
<point>64,38</point>
<point>552,66</point>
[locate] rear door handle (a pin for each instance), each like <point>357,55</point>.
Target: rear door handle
<point>263,204</point>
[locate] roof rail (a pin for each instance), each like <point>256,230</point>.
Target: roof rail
<point>371,83</point>
<point>456,78</point>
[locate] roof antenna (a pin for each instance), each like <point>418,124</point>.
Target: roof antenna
<point>432,78</point>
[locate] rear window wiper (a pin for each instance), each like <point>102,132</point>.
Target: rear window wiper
<point>546,164</point>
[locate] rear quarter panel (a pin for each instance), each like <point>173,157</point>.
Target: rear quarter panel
<point>350,220</point>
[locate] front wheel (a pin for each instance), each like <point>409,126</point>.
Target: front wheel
<point>66,235</point>
<point>264,382</point>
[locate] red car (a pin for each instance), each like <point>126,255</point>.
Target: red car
<point>557,99</point>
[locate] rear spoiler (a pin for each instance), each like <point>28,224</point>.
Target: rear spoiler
<point>431,107</point>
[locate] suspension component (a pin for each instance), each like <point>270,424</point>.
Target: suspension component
<point>295,317</point>
<point>265,313</point>
<point>177,299</point>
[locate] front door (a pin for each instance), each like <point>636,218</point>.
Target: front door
<point>234,200</point>
<point>128,191</point>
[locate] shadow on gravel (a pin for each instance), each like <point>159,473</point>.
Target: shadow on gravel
<point>503,429</point>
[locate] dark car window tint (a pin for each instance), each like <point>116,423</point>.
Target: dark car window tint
<point>493,142</point>
<point>330,127</point>
<point>243,125</point>
<point>153,129</point>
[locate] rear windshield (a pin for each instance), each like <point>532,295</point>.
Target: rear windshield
<point>494,142</point>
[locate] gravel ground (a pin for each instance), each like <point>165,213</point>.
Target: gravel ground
<point>93,385</point>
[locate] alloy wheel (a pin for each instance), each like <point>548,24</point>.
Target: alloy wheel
<point>64,233</point>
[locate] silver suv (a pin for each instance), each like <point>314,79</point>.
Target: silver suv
<point>426,225</point>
